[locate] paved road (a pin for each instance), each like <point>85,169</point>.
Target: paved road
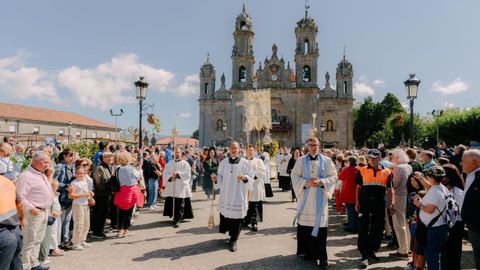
<point>156,245</point>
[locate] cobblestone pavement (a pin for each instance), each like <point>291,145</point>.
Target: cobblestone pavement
<point>156,245</point>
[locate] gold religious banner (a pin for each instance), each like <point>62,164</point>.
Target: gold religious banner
<point>257,108</point>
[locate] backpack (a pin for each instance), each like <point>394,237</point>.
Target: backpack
<point>450,212</point>
<point>113,184</point>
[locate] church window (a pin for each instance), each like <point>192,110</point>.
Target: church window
<point>243,25</point>
<point>242,74</point>
<point>330,125</point>
<point>219,124</point>
<point>205,90</point>
<point>306,73</point>
<point>306,46</point>
<point>345,86</point>
<point>274,116</point>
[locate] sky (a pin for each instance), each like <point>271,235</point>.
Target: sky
<point>84,56</point>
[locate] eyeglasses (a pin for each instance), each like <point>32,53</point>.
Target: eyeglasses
<point>313,145</point>
<point>84,164</point>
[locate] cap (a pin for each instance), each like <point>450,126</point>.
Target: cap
<point>373,153</point>
<point>429,153</point>
<point>435,171</point>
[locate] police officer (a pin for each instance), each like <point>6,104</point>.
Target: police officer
<point>373,182</point>
<point>11,215</point>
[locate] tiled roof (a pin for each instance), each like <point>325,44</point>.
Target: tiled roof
<point>23,112</point>
<point>178,140</point>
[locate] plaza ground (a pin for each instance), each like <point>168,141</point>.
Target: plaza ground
<point>157,245</point>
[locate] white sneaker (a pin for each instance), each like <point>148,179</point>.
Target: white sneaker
<point>85,245</point>
<point>77,247</point>
<point>46,262</point>
<point>364,264</point>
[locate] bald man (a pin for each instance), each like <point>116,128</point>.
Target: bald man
<point>469,210</point>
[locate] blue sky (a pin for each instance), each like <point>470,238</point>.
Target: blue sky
<point>83,56</point>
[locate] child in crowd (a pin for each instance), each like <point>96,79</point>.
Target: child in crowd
<point>80,194</point>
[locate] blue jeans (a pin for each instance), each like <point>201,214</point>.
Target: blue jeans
<point>352,216</point>
<point>435,250</point>
<point>66,219</point>
<point>152,191</point>
<point>10,248</point>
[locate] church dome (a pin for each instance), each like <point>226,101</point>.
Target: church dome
<point>344,63</point>
<point>307,22</point>
<point>244,21</point>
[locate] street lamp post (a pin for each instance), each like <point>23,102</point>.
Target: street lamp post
<point>141,93</point>
<point>322,128</point>
<point>116,115</point>
<point>411,86</point>
<point>224,128</point>
<point>69,125</point>
<point>436,115</point>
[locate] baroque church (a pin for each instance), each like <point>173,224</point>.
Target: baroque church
<point>295,93</point>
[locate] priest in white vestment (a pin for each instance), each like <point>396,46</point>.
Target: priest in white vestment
<point>265,156</point>
<point>282,165</point>
<point>177,175</point>
<point>313,178</point>
<point>234,178</point>
<point>257,195</point>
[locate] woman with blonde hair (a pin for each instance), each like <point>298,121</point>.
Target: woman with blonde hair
<point>129,193</point>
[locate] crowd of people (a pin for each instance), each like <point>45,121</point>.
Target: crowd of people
<point>423,202</point>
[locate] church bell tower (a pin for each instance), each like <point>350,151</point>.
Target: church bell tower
<point>243,61</point>
<point>306,52</point>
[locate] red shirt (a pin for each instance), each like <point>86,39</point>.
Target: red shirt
<point>161,162</point>
<point>349,186</point>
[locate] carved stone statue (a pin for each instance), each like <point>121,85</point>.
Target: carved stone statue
<point>274,49</point>
<point>327,78</point>
<point>222,79</point>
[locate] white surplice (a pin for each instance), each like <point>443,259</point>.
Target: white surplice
<point>258,170</point>
<point>266,162</point>
<point>308,215</point>
<point>182,185</point>
<point>232,202</point>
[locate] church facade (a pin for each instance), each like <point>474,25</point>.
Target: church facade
<point>295,93</point>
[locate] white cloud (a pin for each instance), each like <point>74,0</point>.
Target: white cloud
<point>405,105</point>
<point>448,104</point>
<point>379,82</point>
<point>452,88</point>
<point>183,115</point>
<point>362,89</point>
<point>20,82</point>
<point>111,83</point>
<point>188,87</point>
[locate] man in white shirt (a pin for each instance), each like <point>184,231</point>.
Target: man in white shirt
<point>177,174</point>
<point>257,195</point>
<point>234,178</point>
<point>313,178</point>
<point>469,205</point>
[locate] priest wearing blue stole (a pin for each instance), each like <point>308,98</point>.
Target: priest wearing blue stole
<point>313,178</point>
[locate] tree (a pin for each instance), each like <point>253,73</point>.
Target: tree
<point>196,134</point>
<point>379,122</point>
<point>390,105</point>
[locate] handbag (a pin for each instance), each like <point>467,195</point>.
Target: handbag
<point>51,220</point>
<point>113,184</point>
<point>91,201</point>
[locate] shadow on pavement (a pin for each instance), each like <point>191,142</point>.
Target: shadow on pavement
<point>199,230</point>
<point>290,262</point>
<point>184,251</point>
<point>153,225</point>
<point>468,261</point>
<point>273,231</point>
